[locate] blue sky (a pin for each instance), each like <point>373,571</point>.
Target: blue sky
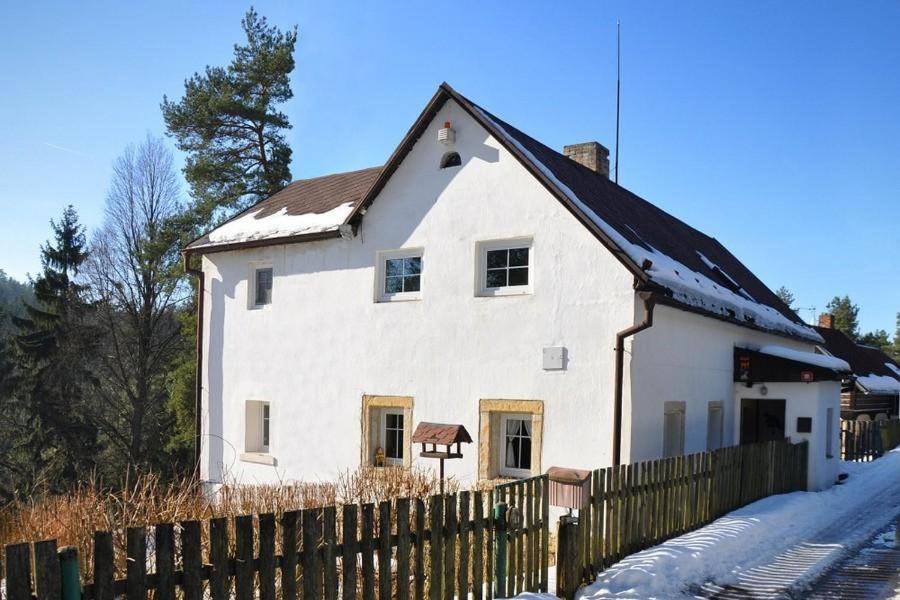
<point>773,126</point>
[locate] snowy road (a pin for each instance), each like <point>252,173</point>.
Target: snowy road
<point>773,548</point>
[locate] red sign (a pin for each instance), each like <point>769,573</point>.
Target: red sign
<point>806,376</point>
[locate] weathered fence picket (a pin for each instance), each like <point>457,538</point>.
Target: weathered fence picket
<point>867,440</point>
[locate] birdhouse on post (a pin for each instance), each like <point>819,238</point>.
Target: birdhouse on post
<point>438,441</point>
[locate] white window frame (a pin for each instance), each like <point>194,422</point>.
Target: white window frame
<point>674,408</point>
<point>381,295</point>
<point>398,462</point>
<point>255,423</point>
<point>481,267</point>
<point>251,287</point>
<point>715,419</point>
<point>510,471</point>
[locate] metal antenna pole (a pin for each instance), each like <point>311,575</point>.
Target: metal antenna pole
<point>618,88</point>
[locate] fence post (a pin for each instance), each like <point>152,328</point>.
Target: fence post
<point>500,547</point>
<point>567,563</point>
<point>70,578</point>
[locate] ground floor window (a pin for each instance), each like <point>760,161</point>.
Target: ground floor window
<point>392,432</point>
<point>673,429</point>
<point>257,435</point>
<point>510,438</point>
<point>516,447</point>
<point>386,430</point>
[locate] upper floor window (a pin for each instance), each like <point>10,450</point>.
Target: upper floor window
<point>399,275</point>
<point>505,267</point>
<point>262,285</point>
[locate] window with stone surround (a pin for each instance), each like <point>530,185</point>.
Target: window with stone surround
<point>510,434</point>
<point>386,430</point>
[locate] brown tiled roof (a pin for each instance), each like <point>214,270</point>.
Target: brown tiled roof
<point>316,195</point>
<point>440,433</point>
<point>863,360</point>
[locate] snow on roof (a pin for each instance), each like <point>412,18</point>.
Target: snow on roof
<point>687,286</point>
<point>879,384</point>
<point>809,358</point>
<point>893,368</point>
<point>250,226</point>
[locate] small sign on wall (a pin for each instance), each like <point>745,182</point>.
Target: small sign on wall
<point>804,424</point>
<point>807,376</point>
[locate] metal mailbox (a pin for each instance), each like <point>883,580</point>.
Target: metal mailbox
<point>569,488</point>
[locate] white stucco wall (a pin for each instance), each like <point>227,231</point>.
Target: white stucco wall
<point>324,342</point>
<point>805,400</point>
<point>686,358</point>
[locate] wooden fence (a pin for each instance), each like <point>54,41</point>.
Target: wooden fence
<point>527,552</point>
<point>460,545</point>
<point>636,506</point>
<point>868,440</point>
<point>402,549</point>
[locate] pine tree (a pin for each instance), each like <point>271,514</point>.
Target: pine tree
<point>846,316</point>
<point>877,339</point>
<point>786,296</point>
<point>54,346</point>
<point>229,126</point>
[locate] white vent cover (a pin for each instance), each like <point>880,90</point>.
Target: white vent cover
<point>446,135</point>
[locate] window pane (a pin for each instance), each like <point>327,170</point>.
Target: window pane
<point>511,453</point>
<point>393,285</point>
<point>496,278</point>
<point>411,284</point>
<point>496,258</point>
<point>512,426</point>
<point>393,267</point>
<point>263,286</point>
<point>525,453</point>
<point>413,265</point>
<point>390,449</point>
<point>518,257</point>
<point>518,276</point>
<point>265,423</point>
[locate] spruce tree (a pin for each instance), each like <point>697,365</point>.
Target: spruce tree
<point>54,346</point>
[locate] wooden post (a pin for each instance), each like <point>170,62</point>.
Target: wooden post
<point>567,567</point>
<point>69,574</point>
<point>500,547</point>
<point>46,570</point>
<point>18,571</point>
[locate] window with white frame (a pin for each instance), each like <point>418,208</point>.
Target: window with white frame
<point>399,275</point>
<point>504,267</point>
<point>257,437</point>
<point>715,424</point>
<point>673,429</point>
<point>262,286</point>
<point>392,435</point>
<point>515,451</point>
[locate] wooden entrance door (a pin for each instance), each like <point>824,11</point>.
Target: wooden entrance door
<point>762,420</point>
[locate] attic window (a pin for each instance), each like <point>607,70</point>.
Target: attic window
<point>450,159</point>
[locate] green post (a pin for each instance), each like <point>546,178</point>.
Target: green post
<point>69,573</point>
<point>500,550</point>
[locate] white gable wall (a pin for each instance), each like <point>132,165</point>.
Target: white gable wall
<point>324,342</point>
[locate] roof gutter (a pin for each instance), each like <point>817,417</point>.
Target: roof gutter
<point>198,370</point>
<point>649,304</point>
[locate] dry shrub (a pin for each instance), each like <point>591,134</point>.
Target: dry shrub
<point>72,518</point>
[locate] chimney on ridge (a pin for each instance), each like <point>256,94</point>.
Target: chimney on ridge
<point>592,155</point>
<point>826,321</point>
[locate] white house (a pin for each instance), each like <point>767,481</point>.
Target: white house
<point>481,278</point>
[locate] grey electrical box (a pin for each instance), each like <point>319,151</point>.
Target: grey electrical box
<point>554,358</point>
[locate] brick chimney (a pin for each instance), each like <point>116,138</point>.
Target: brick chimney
<point>826,321</point>
<point>592,155</point>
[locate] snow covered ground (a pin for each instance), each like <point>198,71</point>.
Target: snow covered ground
<point>777,544</point>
